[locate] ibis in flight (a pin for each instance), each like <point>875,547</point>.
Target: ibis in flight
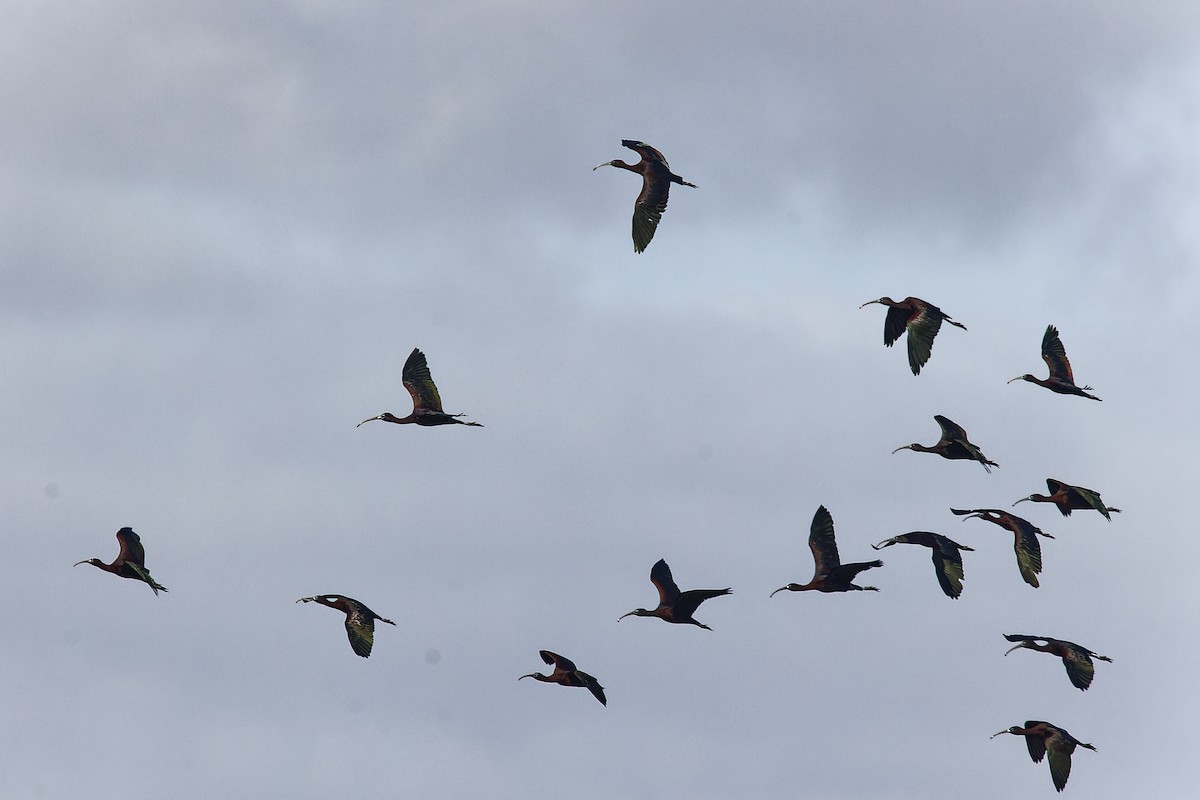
<point>1070,498</point>
<point>1061,379</point>
<point>360,620</point>
<point>656,185</point>
<point>674,605</point>
<point>830,574</point>
<point>1041,738</point>
<point>567,674</point>
<point>953,445</point>
<point>1076,658</point>
<point>427,404</point>
<point>130,562</point>
<point>922,321</point>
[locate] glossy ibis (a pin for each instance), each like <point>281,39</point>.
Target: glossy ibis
<point>1061,379</point>
<point>922,321</point>
<point>953,444</point>
<point>1042,737</point>
<point>1076,658</point>
<point>1070,498</point>
<point>567,674</point>
<point>427,404</point>
<point>947,560</point>
<point>1025,541</point>
<point>674,605</point>
<point>360,620</point>
<point>830,574</point>
<point>130,562</point>
<point>656,184</point>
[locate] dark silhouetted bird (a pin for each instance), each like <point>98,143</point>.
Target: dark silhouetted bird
<point>656,185</point>
<point>674,605</point>
<point>947,560</point>
<point>830,574</point>
<point>922,321</point>
<point>567,674</point>
<point>1076,658</point>
<point>360,620</point>
<point>1061,379</point>
<point>427,404</point>
<point>953,445</point>
<point>130,562</point>
<point>1025,541</point>
<point>1070,498</point>
<point>1041,738</point>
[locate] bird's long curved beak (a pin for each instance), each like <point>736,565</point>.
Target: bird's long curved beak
<point>1022,500</point>
<point>997,733</point>
<point>777,591</point>
<point>883,544</point>
<point>605,164</point>
<point>1014,647</point>
<point>306,599</point>
<point>869,302</point>
<point>1019,377</point>
<point>370,419</point>
<point>530,675</point>
<point>902,447</point>
<point>77,563</point>
<point>631,613</point>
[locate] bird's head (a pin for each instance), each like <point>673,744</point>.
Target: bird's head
<point>93,561</point>
<point>1025,377</point>
<point>1018,646</point>
<point>637,612</point>
<point>791,587</point>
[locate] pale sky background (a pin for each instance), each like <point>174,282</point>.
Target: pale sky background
<point>226,224</point>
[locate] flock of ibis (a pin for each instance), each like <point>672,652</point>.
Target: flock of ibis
<point>920,321</point>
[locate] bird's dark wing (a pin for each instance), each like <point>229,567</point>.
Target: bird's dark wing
<point>922,328</point>
<point>1037,743</point>
<point>894,324</point>
<point>561,664</point>
<point>660,576</point>
<point>593,686</point>
<point>964,511</point>
<point>1089,497</point>
<point>646,151</point>
<point>1020,637</point>
<point>649,207</point>
<point>360,627</point>
<point>822,543</point>
<point>1055,355</point>
<point>132,551</point>
<point>419,382</point>
<point>951,430</point>
<point>1060,767</point>
<point>1078,661</point>
<point>1028,550</point>
<point>947,564</point>
<point>690,600</point>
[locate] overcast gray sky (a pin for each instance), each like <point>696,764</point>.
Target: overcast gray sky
<point>226,224</point>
